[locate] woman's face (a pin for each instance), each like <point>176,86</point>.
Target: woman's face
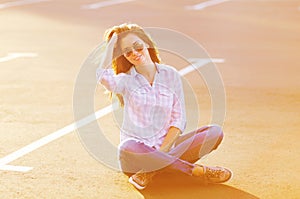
<point>135,50</point>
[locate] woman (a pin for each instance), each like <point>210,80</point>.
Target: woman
<point>154,112</point>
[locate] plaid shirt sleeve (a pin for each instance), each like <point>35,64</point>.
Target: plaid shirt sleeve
<point>178,115</point>
<point>111,81</point>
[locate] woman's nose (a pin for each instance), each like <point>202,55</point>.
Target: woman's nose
<point>135,52</point>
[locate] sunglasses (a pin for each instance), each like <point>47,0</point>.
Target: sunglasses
<point>137,46</point>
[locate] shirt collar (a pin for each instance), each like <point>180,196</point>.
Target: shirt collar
<point>134,72</point>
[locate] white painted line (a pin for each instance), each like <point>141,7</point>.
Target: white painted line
<point>15,168</point>
<point>11,56</point>
<point>104,4</point>
<point>20,3</point>
<point>205,61</point>
<point>53,136</point>
<point>205,4</point>
<point>196,63</point>
<point>100,113</point>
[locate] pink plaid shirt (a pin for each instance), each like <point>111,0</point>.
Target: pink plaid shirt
<point>149,111</point>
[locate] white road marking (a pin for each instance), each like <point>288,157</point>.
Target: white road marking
<point>15,168</point>
<point>104,4</point>
<point>205,4</point>
<point>53,136</point>
<point>196,63</point>
<point>11,56</point>
<point>20,3</point>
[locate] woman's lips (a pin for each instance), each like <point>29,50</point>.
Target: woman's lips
<point>137,58</point>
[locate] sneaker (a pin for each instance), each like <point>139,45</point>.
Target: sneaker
<point>215,174</point>
<point>141,179</point>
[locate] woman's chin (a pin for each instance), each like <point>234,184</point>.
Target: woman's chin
<point>139,61</point>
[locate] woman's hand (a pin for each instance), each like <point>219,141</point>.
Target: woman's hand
<point>170,138</point>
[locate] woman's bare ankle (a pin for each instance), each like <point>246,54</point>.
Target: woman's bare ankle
<point>198,171</point>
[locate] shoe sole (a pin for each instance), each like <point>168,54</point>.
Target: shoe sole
<point>136,185</point>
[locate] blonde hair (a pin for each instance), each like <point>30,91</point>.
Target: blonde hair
<point>119,63</point>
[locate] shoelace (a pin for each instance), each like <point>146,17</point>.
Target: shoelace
<point>141,178</point>
<point>214,173</point>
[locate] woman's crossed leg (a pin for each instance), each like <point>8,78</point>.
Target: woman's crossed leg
<point>144,161</point>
